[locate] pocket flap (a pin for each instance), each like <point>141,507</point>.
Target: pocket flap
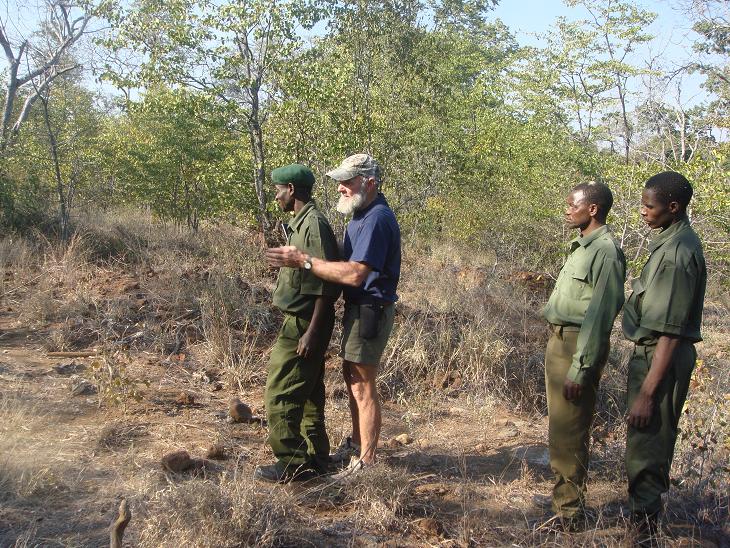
<point>581,272</point>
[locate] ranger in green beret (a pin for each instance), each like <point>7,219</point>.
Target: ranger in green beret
<point>581,310</point>
<point>662,317</point>
<point>295,395</point>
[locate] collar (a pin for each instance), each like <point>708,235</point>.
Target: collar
<point>668,234</point>
<point>379,199</point>
<point>296,222</point>
<point>585,241</point>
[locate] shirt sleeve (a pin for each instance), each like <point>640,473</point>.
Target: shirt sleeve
<point>595,331</point>
<point>320,242</point>
<point>668,298</point>
<point>371,244</point>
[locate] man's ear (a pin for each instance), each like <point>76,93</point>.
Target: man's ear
<point>593,210</point>
<point>674,207</point>
<point>290,186</point>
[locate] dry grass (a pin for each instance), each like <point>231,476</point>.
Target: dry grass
<point>467,336</point>
<point>26,471</point>
<point>231,512</point>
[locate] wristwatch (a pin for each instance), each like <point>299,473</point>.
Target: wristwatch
<point>307,262</point>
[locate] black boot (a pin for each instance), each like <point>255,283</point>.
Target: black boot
<point>275,473</point>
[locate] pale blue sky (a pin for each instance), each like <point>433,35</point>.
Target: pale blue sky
<point>526,19</point>
<point>672,30</point>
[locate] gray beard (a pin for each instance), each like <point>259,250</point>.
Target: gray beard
<point>348,206</point>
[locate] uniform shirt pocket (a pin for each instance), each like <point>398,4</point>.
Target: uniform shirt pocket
<point>579,286</point>
<point>292,279</point>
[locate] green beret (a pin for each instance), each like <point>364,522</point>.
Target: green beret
<point>296,174</point>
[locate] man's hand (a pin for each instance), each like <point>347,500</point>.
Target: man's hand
<point>287,255</point>
<point>307,344</point>
<point>641,412</point>
<point>572,390</point>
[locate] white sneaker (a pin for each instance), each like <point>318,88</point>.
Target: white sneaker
<point>345,451</point>
<point>356,466</point>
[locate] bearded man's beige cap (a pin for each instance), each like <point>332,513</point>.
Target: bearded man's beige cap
<point>352,166</point>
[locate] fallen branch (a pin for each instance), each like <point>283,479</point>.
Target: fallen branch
<point>117,529</point>
<point>72,354</point>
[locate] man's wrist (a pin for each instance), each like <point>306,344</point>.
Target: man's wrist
<point>305,261</point>
<point>647,389</point>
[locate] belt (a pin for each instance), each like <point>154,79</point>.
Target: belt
<point>563,328</point>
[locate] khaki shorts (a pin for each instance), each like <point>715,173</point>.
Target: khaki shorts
<point>355,349</point>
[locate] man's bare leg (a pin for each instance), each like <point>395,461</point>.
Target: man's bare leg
<point>354,414</point>
<point>363,388</point>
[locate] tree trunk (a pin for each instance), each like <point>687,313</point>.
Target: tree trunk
<point>259,160</point>
<point>62,192</point>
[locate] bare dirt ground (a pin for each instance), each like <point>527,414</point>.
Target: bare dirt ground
<point>475,472</point>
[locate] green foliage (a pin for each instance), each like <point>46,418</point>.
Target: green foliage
<point>174,153</point>
<point>480,139</point>
<point>115,385</point>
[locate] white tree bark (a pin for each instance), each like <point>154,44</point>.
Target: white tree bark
<point>66,32</point>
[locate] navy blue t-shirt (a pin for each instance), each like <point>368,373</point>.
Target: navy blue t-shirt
<point>373,237</point>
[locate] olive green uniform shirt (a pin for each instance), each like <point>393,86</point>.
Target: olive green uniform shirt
<point>297,288</point>
<point>588,295</point>
<point>668,296</point>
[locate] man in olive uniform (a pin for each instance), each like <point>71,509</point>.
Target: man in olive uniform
<point>662,317</point>
<point>581,310</point>
<point>295,395</point>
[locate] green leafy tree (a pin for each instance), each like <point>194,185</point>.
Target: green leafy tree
<point>229,51</point>
<point>174,153</point>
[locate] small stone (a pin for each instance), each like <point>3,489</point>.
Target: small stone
<point>403,439</point>
<point>534,454</point>
<point>184,398</point>
<point>83,388</point>
<point>239,411</point>
<point>430,526</point>
<point>392,443</point>
<point>69,368</point>
<point>206,376</point>
<point>178,461</point>
<point>457,411</point>
<point>216,452</point>
<point>480,447</point>
<point>507,433</point>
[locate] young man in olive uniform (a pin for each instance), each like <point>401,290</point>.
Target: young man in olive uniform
<point>581,310</point>
<point>295,395</point>
<point>662,317</point>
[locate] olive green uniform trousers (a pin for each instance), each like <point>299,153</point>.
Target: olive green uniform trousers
<point>649,451</point>
<point>295,399</point>
<point>569,423</point>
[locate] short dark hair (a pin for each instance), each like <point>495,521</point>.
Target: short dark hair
<point>599,194</point>
<point>303,193</point>
<point>670,186</point>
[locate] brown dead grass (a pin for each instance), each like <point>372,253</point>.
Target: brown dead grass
<point>26,471</point>
<point>230,512</point>
<point>462,375</point>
